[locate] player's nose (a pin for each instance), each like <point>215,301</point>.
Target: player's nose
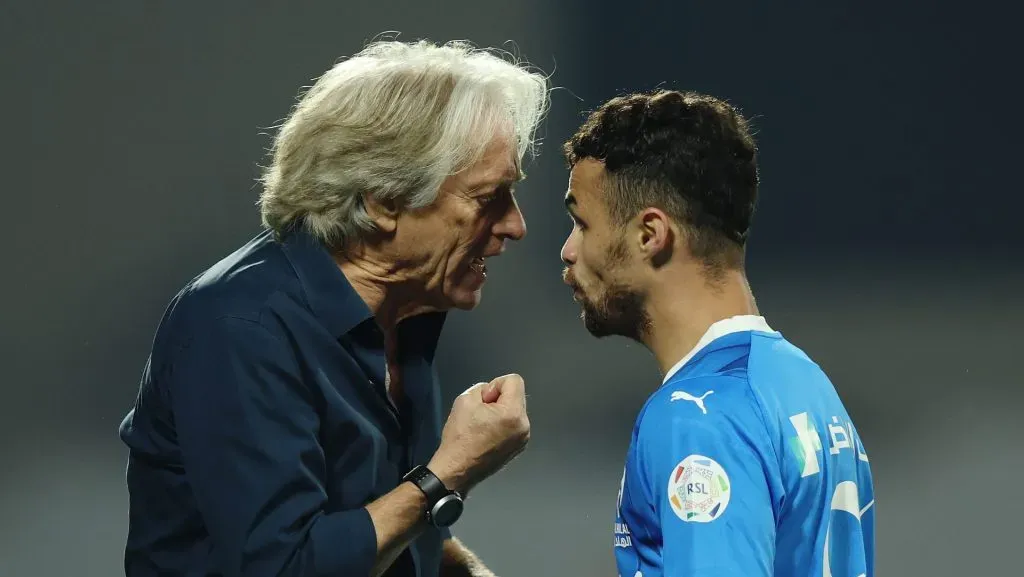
<point>568,253</point>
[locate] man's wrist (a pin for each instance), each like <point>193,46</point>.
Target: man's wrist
<point>444,505</point>
<point>411,488</point>
<point>453,478</point>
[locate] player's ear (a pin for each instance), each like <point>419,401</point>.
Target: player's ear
<point>383,212</point>
<point>655,236</point>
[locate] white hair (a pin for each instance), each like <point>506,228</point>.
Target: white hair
<point>393,122</point>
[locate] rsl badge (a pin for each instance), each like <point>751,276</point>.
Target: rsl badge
<point>698,489</point>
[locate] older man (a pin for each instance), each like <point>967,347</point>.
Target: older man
<point>288,421</point>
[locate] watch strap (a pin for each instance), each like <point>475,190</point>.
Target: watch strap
<point>427,482</point>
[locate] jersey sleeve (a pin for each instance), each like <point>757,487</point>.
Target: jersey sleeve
<point>705,458</point>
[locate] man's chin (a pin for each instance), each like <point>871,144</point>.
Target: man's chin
<point>601,326</point>
<point>595,326</point>
<point>466,300</point>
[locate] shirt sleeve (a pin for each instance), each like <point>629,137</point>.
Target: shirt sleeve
<point>706,476</point>
<point>247,430</point>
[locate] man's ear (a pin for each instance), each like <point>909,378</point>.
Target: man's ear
<point>383,212</point>
<point>655,236</point>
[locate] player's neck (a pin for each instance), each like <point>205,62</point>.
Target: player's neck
<point>681,312</point>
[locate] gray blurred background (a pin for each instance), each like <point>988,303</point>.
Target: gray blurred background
<point>887,245</point>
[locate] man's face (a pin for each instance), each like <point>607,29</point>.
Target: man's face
<point>599,262</point>
<point>475,212</point>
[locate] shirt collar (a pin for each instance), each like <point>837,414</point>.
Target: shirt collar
<point>334,301</point>
<point>736,324</point>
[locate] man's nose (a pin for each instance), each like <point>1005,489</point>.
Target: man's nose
<point>568,253</point>
<point>513,224</point>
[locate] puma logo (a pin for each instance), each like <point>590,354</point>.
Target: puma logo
<point>684,396</point>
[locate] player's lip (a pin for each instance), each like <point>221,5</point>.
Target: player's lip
<point>570,282</point>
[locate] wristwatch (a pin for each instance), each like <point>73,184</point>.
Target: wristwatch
<point>444,506</point>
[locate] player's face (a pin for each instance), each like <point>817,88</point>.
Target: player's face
<point>599,260</point>
<point>475,213</point>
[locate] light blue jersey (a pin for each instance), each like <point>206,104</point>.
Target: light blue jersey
<point>745,464</point>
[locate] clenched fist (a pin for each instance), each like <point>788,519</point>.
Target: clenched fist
<point>486,429</point>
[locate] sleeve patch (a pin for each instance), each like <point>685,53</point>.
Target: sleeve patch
<point>698,489</point>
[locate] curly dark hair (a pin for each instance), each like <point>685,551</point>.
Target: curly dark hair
<point>686,153</point>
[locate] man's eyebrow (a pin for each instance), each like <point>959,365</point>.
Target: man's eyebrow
<point>506,181</point>
<point>571,208</point>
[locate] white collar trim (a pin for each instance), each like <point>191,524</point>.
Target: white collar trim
<point>736,324</point>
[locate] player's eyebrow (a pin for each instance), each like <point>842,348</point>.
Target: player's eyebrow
<point>570,207</point>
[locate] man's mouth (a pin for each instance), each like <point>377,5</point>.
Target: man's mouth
<point>479,266</point>
<point>570,280</point>
<point>577,294</point>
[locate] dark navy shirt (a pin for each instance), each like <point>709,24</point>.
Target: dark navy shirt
<point>262,425</point>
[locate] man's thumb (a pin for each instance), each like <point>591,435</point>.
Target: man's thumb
<point>491,392</point>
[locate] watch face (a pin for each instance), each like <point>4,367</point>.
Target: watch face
<point>447,511</point>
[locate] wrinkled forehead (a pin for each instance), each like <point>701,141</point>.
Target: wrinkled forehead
<point>498,164</point>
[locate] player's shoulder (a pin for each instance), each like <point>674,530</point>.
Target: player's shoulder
<point>720,387</point>
<point>704,400</point>
<point>769,350</point>
<point>778,369</point>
